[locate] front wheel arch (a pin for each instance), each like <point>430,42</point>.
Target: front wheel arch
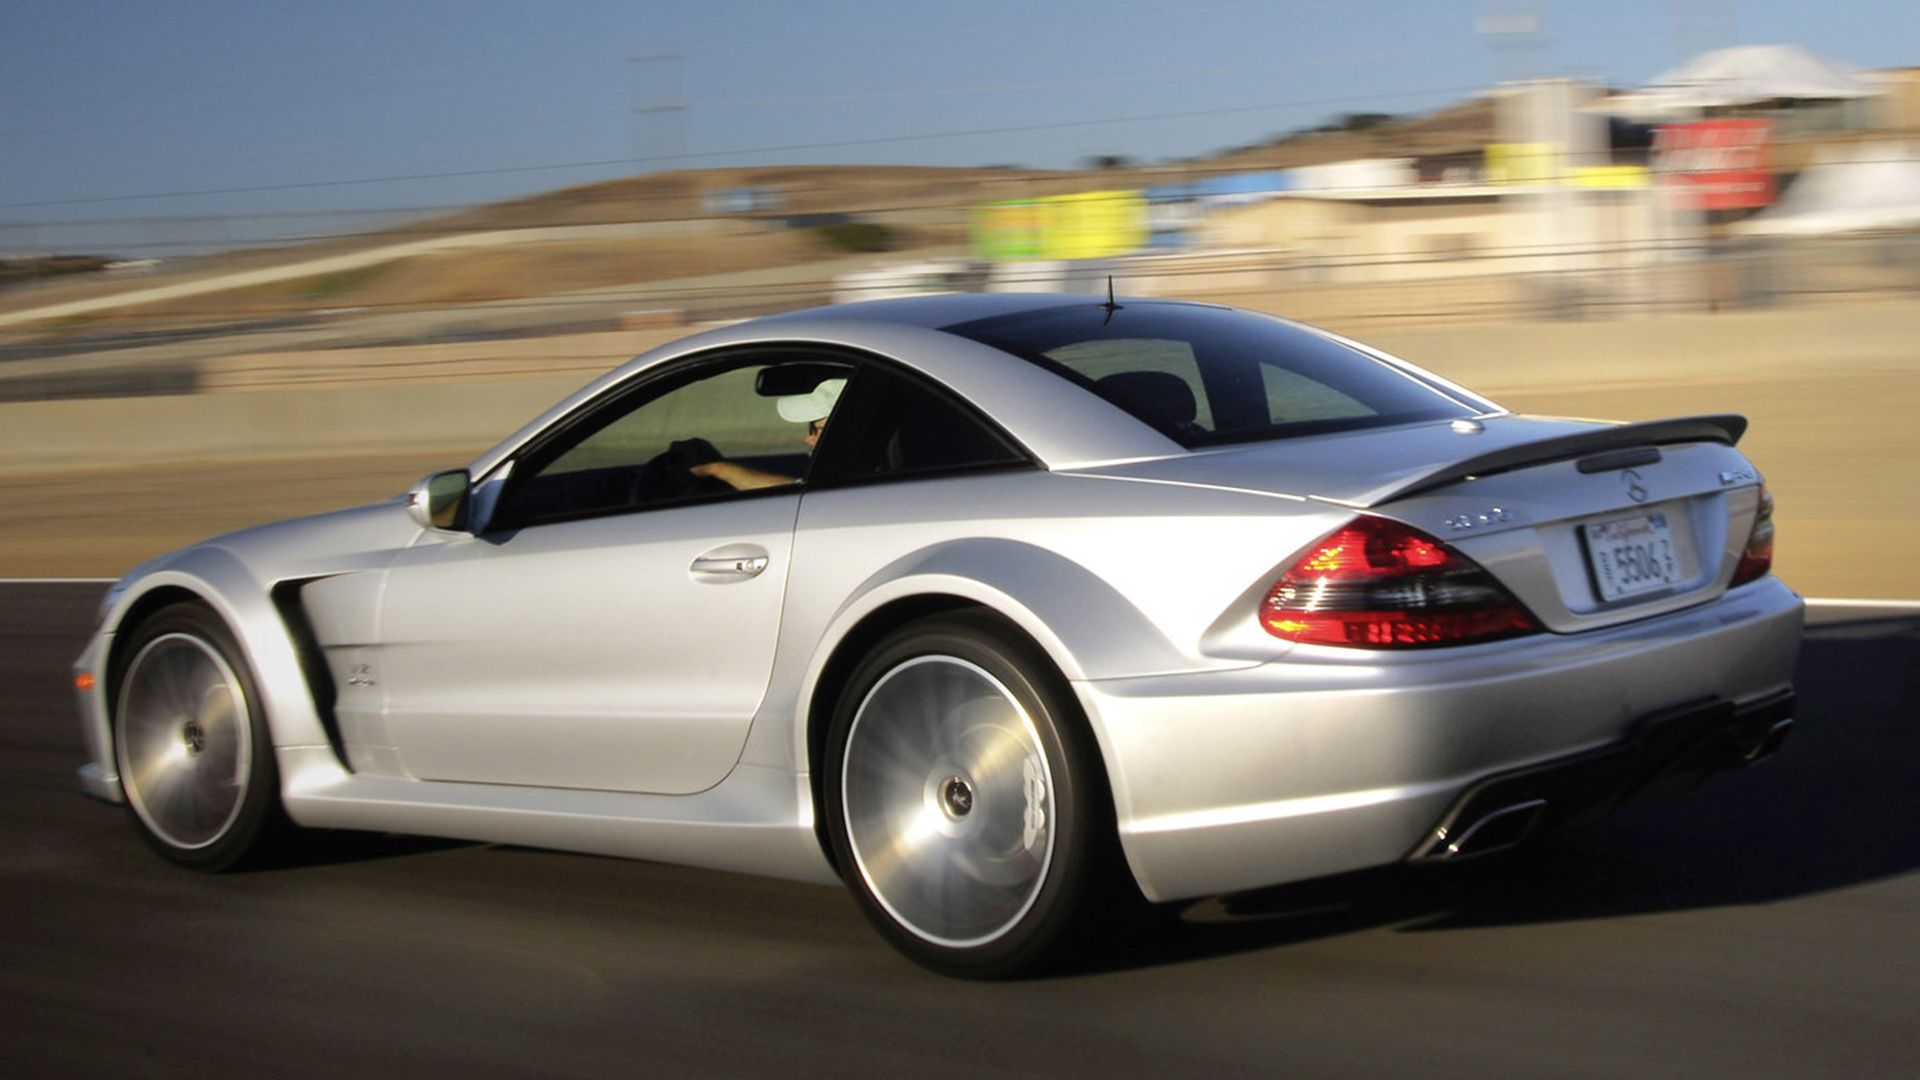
<point>142,608</point>
<point>181,676</point>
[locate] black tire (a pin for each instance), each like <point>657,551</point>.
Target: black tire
<point>191,742</point>
<point>965,800</point>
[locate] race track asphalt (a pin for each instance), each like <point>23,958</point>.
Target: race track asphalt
<point>1765,925</point>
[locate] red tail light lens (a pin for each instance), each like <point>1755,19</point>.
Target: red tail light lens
<point>1377,584</point>
<point>1757,559</point>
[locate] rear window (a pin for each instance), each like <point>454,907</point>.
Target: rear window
<point>1205,376</point>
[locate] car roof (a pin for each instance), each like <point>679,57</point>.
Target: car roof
<point>1060,423</point>
<point>936,311</point>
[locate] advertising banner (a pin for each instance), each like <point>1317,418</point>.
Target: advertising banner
<point>1522,163</point>
<point>1096,225</point>
<point>1611,176</point>
<point>1717,164</point>
<point>1008,230</point>
<point>1089,225</point>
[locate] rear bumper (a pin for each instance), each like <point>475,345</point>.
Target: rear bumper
<point>1664,754</point>
<point>1334,760</point>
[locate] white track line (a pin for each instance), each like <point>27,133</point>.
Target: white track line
<point>1812,601</point>
<point>1836,601</point>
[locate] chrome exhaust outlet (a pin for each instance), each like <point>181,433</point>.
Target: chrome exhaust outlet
<point>1495,830</point>
<point>1769,743</point>
<point>1662,753</point>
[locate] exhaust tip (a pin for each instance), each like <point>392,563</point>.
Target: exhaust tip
<point>1770,743</point>
<point>1495,830</point>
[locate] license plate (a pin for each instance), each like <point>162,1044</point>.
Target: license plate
<point>1632,556</point>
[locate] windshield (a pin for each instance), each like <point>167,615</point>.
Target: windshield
<point>1206,375</point>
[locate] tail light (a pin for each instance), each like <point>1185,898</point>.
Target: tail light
<point>1757,559</point>
<point>1377,584</point>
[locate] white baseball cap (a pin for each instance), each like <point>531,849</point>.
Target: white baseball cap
<point>804,408</point>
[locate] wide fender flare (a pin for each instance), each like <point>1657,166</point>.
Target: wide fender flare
<point>1087,629</point>
<point>224,583</point>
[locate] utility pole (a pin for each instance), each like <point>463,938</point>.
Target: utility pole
<point>660,117</point>
<point>1514,31</point>
<point>1702,25</point>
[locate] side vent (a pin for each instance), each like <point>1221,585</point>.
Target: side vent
<point>313,664</point>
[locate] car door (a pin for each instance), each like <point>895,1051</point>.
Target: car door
<point>612,624</point>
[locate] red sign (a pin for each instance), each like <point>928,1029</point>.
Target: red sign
<point>1717,164</point>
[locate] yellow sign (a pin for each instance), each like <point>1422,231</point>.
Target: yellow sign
<point>1612,176</point>
<point>1088,225</point>
<point>1522,163</point>
<point>1096,224</point>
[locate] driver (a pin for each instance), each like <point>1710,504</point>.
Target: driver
<point>811,409</point>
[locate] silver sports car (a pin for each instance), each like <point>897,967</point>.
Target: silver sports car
<point>1002,610</point>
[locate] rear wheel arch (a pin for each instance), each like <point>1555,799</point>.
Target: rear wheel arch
<point>1000,667</point>
<point>858,642</point>
<point>847,654</point>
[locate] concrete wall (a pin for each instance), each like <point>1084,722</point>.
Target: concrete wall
<point>463,417</point>
<point>1328,240</point>
<point>1668,350</point>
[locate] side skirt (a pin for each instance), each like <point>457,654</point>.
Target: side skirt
<point>756,821</point>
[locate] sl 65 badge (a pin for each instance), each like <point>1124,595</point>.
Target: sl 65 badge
<point>1494,516</point>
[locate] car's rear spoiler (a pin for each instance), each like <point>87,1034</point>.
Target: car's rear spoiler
<point>1719,427</point>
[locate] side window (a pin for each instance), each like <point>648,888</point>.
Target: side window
<point>1139,373</point>
<point>691,435</point>
<point>896,427</point>
<point>1293,397</point>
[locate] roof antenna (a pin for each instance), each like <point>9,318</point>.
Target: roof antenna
<point>1109,305</point>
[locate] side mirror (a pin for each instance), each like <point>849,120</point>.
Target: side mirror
<point>440,501</point>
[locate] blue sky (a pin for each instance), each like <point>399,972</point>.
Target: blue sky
<point>113,110</point>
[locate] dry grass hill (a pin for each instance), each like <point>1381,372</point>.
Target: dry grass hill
<point>654,227</point>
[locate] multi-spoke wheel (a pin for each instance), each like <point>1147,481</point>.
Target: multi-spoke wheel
<point>961,792</point>
<point>190,742</point>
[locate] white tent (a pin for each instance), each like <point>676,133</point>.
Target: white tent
<point>1742,75</point>
<point>1877,188</point>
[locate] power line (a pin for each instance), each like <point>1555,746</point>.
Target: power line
<point>309,185</point>
<point>1064,84</point>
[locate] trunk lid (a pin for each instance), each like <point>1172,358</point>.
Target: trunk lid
<point>1588,524</point>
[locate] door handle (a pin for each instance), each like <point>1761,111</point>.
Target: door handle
<point>748,567</point>
<point>735,562</point>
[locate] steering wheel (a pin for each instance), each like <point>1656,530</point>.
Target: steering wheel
<point>668,474</point>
